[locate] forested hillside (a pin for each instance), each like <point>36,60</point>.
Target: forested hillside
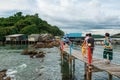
<point>28,24</point>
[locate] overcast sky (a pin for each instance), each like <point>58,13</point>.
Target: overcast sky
<point>97,16</point>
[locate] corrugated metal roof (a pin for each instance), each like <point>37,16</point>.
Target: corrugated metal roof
<point>74,35</point>
<point>14,35</point>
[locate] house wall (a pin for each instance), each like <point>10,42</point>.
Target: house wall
<point>16,38</point>
<point>31,39</point>
<point>7,38</point>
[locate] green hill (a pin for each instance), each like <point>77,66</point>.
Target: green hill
<point>28,24</point>
<point>97,36</point>
<point>116,35</point>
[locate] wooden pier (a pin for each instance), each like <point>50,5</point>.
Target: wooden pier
<point>97,65</point>
<point>20,42</point>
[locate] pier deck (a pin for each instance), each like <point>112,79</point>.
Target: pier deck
<point>112,69</point>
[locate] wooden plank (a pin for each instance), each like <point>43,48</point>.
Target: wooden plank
<point>117,74</point>
<point>117,69</point>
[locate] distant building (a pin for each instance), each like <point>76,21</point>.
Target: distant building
<point>57,38</point>
<point>33,37</point>
<point>16,37</point>
<point>74,36</point>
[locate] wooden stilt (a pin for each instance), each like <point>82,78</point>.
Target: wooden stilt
<point>74,64</point>
<point>11,42</point>
<point>85,69</point>
<point>73,71</point>
<point>15,42</point>
<point>70,59</point>
<point>70,70</point>
<point>62,55</point>
<point>89,72</point>
<point>25,42</point>
<point>21,42</point>
<point>110,77</point>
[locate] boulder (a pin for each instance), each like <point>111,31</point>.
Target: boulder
<point>40,55</point>
<point>47,44</point>
<point>25,52</point>
<point>34,53</point>
<point>40,45</point>
<point>8,78</point>
<point>3,75</point>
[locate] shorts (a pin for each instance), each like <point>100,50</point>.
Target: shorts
<point>109,53</point>
<point>92,50</point>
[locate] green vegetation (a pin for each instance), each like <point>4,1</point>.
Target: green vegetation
<point>116,35</point>
<point>97,36</point>
<point>28,24</point>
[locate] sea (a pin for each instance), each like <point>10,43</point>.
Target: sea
<point>50,67</point>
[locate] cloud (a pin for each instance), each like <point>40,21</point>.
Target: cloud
<point>67,11</point>
<point>13,6</point>
<point>78,15</point>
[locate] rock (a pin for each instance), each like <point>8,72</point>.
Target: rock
<point>34,53</point>
<point>8,78</point>
<point>3,75</point>
<point>47,44</point>
<point>31,56</point>
<point>40,45</point>
<point>40,55</point>
<point>4,70</point>
<point>25,52</point>
<point>1,78</point>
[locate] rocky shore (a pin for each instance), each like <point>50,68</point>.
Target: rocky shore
<point>46,44</point>
<point>33,54</point>
<point>45,41</point>
<point>3,75</point>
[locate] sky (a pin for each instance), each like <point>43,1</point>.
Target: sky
<point>95,16</point>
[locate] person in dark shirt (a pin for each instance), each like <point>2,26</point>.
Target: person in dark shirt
<point>91,43</point>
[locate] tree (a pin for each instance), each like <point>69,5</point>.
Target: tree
<point>18,14</point>
<point>28,24</point>
<point>30,29</point>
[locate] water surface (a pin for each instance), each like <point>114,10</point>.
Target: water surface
<point>22,67</point>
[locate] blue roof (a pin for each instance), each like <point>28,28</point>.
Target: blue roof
<point>75,35</point>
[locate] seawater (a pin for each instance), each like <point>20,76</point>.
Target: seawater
<point>22,67</point>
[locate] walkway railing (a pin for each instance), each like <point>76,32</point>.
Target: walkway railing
<point>91,64</point>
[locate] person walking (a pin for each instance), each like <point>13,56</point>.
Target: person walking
<point>90,42</point>
<point>84,47</point>
<point>108,50</point>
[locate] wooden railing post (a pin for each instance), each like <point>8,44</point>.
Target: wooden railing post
<point>62,46</point>
<point>62,49</point>
<point>89,68</point>
<point>110,76</point>
<point>70,49</point>
<point>85,68</point>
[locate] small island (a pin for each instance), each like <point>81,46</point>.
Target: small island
<point>26,24</point>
